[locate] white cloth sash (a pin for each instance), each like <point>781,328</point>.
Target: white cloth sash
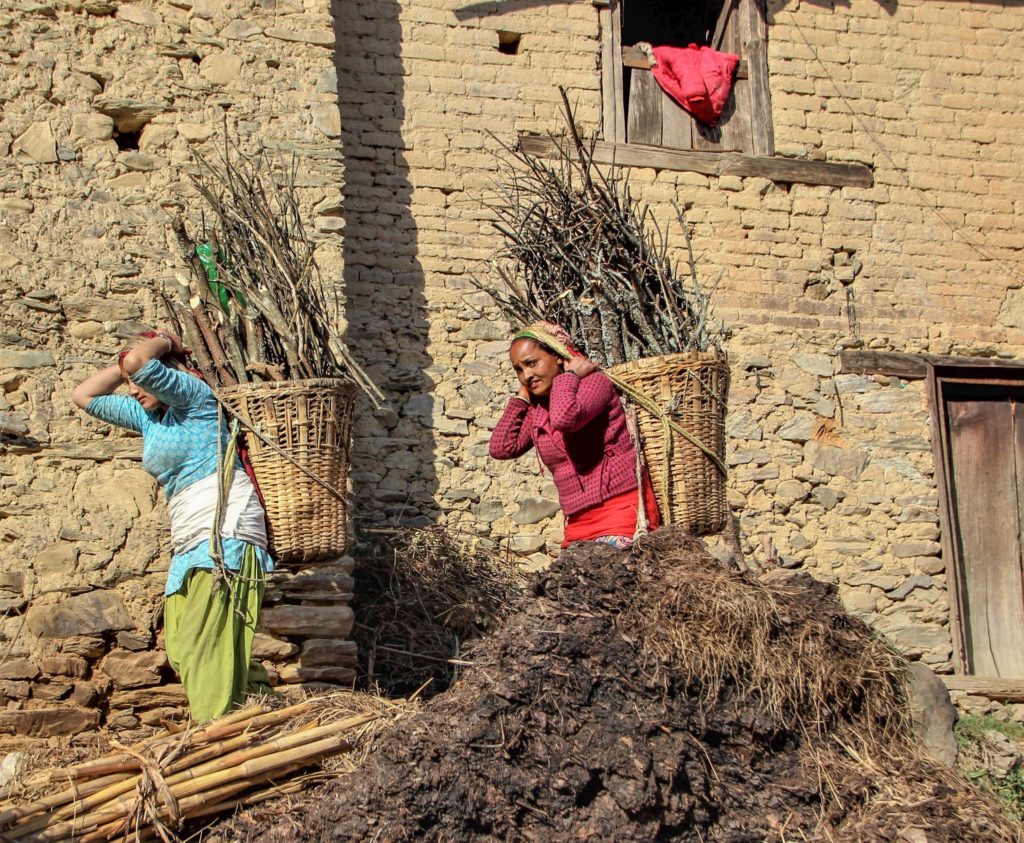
<point>194,508</point>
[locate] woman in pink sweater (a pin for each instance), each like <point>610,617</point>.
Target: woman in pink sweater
<point>569,411</point>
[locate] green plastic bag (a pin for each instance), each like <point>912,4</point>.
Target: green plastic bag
<point>205,254</point>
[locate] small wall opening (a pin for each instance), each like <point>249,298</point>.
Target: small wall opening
<point>508,42</point>
<point>127,140</point>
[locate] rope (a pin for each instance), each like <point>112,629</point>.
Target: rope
<point>225,468</point>
<point>652,407</point>
<point>642,400</point>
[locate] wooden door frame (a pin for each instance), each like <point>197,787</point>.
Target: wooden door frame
<point>938,376</point>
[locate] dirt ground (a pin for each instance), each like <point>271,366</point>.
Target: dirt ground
<point>629,699</point>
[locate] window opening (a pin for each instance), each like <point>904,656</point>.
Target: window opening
<point>669,22</point>
<point>638,111</point>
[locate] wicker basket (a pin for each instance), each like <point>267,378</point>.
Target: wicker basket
<point>691,389</point>
<point>310,421</point>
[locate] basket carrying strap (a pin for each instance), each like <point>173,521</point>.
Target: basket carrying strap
<point>634,433</point>
<point>647,403</point>
<point>225,471</point>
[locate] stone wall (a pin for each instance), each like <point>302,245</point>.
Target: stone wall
<point>395,111</point>
<point>102,103</point>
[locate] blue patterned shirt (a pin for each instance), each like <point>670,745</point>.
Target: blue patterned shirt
<point>179,447</point>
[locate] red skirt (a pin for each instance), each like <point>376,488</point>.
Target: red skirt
<point>613,517</point>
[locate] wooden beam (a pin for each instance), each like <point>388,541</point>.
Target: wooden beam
<point>1003,690</point>
<point>947,519</point>
<point>723,21</point>
<point>775,168</point>
<point>912,367</point>
<point>613,80</point>
<point>754,46</point>
<point>637,58</point>
<point>797,170</point>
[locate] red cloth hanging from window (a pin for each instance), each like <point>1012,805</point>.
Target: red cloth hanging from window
<point>698,78</point>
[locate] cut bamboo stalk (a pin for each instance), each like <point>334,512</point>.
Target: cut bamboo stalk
<point>13,815</point>
<point>100,767</point>
<point>211,751</point>
<point>291,741</point>
<point>250,799</point>
<point>276,763</point>
<point>97,798</point>
<point>191,808</point>
<point>214,731</point>
<point>216,756</point>
<point>220,730</point>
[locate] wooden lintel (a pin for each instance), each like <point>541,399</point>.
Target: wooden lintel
<point>775,168</point>
<point>1003,690</point>
<point>637,58</point>
<point>912,367</point>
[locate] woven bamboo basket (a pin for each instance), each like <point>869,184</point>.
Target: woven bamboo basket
<point>310,421</point>
<point>691,390</point>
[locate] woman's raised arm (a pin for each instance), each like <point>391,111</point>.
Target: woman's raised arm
<point>103,382</point>
<point>148,349</point>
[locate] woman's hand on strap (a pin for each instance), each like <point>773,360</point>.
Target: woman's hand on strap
<point>523,393</point>
<point>581,366</point>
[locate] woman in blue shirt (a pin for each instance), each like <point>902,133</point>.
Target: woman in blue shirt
<point>210,610</point>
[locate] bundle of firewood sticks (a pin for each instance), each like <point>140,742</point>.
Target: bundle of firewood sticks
<point>151,789</point>
<point>581,250</point>
<point>253,306</point>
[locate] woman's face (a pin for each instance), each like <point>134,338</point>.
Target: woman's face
<point>148,401</point>
<point>535,367</point>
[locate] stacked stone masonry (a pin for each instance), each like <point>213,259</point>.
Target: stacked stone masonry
<point>394,112</point>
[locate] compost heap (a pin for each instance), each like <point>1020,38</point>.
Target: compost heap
<point>656,694</point>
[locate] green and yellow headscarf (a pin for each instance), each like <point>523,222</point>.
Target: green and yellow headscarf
<point>550,335</point>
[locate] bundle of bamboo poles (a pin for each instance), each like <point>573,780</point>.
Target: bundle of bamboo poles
<point>152,788</point>
<point>581,251</point>
<point>253,305</point>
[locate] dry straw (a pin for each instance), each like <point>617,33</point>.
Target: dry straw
<point>839,689</point>
<point>423,595</point>
<point>721,630</point>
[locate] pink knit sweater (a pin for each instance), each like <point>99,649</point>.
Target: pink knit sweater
<point>580,434</point>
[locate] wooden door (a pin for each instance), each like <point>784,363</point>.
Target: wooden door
<point>985,435</point>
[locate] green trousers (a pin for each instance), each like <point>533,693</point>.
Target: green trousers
<point>208,635</point>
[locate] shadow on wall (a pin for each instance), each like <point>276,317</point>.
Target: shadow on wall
<point>475,10</point>
<point>393,474</point>
<point>889,6</point>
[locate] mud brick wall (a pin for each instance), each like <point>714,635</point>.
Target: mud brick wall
<point>395,111</point>
<point>829,471</point>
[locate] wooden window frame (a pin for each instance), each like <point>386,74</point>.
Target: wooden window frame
<point>752,29</point>
<point>614,150</point>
